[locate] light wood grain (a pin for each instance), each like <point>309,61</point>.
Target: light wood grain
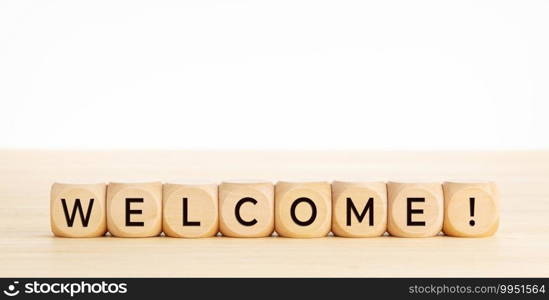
<point>27,247</point>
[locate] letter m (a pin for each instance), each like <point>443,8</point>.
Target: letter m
<point>352,209</point>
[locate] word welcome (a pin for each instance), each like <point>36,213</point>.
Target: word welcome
<point>291,209</point>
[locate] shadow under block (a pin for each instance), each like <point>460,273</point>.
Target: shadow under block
<point>470,209</point>
<point>134,209</point>
<point>190,210</point>
<point>359,209</point>
<point>303,209</point>
<point>246,209</point>
<point>414,209</point>
<point>78,210</point>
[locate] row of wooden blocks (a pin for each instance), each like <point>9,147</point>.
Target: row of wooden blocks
<point>292,209</point>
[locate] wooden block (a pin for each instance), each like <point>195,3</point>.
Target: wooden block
<point>359,209</point>
<point>303,209</point>
<point>190,210</point>
<point>134,209</point>
<point>78,210</point>
<point>414,209</point>
<point>470,209</point>
<point>246,209</point>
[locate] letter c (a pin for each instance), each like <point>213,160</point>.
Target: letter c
<point>237,211</point>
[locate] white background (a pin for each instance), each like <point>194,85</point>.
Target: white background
<point>274,74</point>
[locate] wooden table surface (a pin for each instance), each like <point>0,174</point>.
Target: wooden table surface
<point>27,247</point>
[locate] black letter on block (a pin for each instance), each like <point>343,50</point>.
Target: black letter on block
<point>313,213</point>
<point>186,221</point>
<point>77,206</point>
<point>414,211</point>
<point>237,211</point>
<point>129,211</point>
<point>369,206</point>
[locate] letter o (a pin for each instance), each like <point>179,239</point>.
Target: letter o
<point>313,211</point>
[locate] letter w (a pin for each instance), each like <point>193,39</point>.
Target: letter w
<point>77,206</point>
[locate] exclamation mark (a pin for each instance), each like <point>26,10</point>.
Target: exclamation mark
<point>472,210</point>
